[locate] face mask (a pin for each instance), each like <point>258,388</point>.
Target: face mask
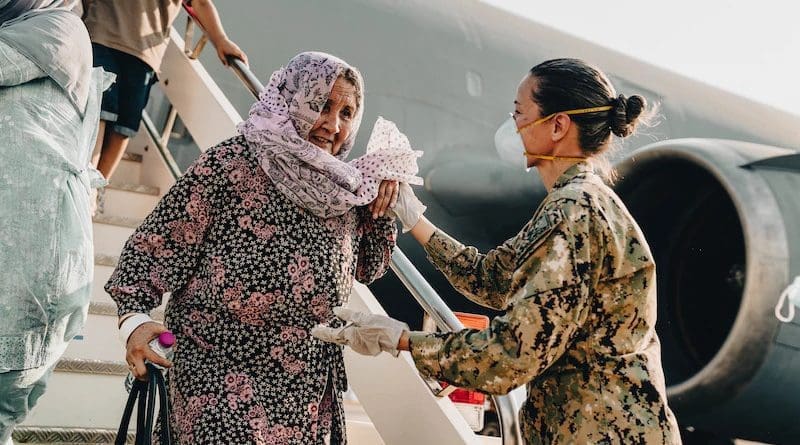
<point>510,146</point>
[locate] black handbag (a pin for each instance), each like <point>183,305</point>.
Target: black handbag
<point>145,393</point>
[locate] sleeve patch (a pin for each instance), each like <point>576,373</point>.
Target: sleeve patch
<point>535,233</point>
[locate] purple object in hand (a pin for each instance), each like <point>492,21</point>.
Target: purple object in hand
<point>166,339</point>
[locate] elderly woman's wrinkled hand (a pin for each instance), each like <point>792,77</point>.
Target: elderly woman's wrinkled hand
<point>367,334</point>
<point>138,349</point>
<point>386,199</point>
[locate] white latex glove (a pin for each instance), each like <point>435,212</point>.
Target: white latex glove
<point>367,334</point>
<point>408,209</point>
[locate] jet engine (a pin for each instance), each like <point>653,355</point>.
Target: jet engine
<point>721,218</point>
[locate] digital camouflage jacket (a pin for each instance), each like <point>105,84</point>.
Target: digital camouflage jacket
<point>579,290</point>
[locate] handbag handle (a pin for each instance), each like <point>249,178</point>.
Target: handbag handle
<point>144,392</point>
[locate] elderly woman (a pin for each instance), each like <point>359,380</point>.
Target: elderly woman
<point>260,238</point>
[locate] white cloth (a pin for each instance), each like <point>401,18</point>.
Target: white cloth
<point>130,324</point>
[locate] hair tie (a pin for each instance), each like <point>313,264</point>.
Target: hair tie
<point>619,102</point>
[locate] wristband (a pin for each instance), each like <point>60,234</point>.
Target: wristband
<point>130,324</point>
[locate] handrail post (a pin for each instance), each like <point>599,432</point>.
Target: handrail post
<point>169,125</point>
<point>155,137</point>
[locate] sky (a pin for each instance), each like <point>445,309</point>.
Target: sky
<point>750,48</point>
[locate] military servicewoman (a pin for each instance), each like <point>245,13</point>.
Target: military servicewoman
<point>577,283</point>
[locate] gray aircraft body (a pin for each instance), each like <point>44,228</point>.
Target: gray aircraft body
<point>446,72</point>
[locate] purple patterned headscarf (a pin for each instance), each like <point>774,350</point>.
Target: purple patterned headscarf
<point>278,127</point>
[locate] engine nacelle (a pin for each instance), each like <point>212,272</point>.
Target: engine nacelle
<point>723,228</point>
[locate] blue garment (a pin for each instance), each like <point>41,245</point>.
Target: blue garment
<point>19,392</point>
<point>46,252</point>
<point>123,103</point>
<point>12,9</point>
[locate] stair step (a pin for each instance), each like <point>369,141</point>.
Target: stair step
<point>82,394</point>
<point>134,187</point>
<point>109,239</point>
<point>103,268</point>
<point>93,367</point>
<point>96,398</point>
<point>99,339</point>
<point>359,432</point>
<point>101,277</point>
<point>129,170</point>
<point>110,309</point>
<point>129,200</point>
<point>35,435</point>
<point>121,221</point>
<point>101,259</point>
<point>132,157</point>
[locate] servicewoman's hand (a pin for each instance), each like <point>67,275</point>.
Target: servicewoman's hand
<point>138,349</point>
<point>387,197</point>
<point>367,334</point>
<point>408,208</point>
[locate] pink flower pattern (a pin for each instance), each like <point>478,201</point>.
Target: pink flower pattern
<point>186,411</point>
<point>151,244</point>
<point>238,389</point>
<point>199,319</point>
<point>250,274</point>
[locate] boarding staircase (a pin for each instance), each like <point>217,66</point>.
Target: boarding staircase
<point>84,401</point>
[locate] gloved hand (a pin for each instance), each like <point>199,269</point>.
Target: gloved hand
<point>408,209</point>
<point>367,334</point>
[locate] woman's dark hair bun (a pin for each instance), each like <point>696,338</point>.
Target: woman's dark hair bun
<point>624,114</point>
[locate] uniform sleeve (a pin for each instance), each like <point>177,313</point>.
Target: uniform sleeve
<point>163,252</point>
<point>483,278</point>
<point>544,318</point>
<point>378,238</point>
<point>16,69</point>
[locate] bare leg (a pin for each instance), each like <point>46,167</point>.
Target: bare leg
<point>98,145</point>
<point>114,147</point>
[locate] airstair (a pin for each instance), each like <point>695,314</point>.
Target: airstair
<point>85,398</point>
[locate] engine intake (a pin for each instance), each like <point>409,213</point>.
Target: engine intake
<point>725,240</point>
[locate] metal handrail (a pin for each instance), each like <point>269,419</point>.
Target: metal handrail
<point>247,77</point>
<point>424,293</point>
<point>155,138</point>
<point>420,289</point>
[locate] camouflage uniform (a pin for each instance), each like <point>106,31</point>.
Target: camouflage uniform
<point>578,285</point>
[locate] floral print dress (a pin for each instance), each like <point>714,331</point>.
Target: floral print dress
<point>250,273</point>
